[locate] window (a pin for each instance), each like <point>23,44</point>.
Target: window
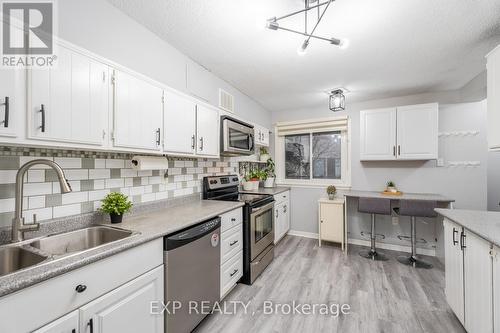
<point>313,153</point>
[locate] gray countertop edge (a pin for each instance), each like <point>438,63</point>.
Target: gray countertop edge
<point>267,190</point>
<point>404,196</point>
<point>485,224</point>
<point>54,267</point>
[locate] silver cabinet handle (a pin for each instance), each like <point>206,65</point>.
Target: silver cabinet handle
<point>192,142</point>
<point>42,110</point>
<point>233,273</point>
<point>158,136</point>
<point>394,150</point>
<point>6,117</point>
<point>201,144</point>
<point>277,213</point>
<point>284,209</point>
<point>399,150</point>
<point>233,243</point>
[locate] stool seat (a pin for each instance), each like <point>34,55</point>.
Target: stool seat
<point>374,206</point>
<point>414,209</point>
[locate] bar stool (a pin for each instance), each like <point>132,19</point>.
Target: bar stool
<point>374,206</point>
<point>414,209</point>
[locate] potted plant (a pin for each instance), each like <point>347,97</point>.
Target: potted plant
<point>331,191</point>
<point>270,175</point>
<point>391,187</point>
<point>253,177</point>
<point>264,154</point>
<point>115,204</point>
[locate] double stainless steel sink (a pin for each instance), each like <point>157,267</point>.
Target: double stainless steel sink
<point>18,256</point>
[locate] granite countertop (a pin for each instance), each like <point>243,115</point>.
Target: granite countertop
<point>151,225</point>
<point>405,196</point>
<point>267,190</point>
<point>482,223</point>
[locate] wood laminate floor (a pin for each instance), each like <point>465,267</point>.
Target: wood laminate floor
<point>383,296</point>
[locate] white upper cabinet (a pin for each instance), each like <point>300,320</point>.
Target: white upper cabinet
<point>401,133</point>
<point>493,68</point>
<point>138,110</point>
<point>179,124</point>
<point>478,284</point>
<point>69,103</point>
<point>207,129</point>
<point>12,85</point>
<point>378,134</point>
<point>261,136</point>
<point>417,132</point>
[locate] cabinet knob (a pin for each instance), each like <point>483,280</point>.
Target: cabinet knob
<point>80,288</point>
<point>233,219</point>
<point>321,221</point>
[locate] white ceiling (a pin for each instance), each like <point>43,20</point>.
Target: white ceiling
<point>396,47</point>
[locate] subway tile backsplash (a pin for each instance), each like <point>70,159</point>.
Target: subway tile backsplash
<point>92,175</point>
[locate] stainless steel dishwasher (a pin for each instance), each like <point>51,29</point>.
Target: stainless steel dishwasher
<point>192,274</point>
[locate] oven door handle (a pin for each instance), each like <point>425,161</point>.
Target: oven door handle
<point>265,207</point>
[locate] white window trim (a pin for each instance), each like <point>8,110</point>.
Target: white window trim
<point>343,183</point>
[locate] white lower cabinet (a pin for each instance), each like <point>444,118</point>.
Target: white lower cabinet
<point>66,324</point>
<point>231,269</point>
<point>469,270</point>
<point>281,215</point>
<point>111,291</point>
<point>331,221</point>
<point>127,308</point>
<point>496,289</point>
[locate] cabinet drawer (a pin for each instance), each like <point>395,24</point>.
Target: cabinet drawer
<point>231,243</point>
<point>280,197</point>
<point>231,219</point>
<point>230,273</point>
<point>57,296</point>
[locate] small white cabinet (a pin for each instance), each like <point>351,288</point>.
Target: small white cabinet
<point>281,215</point>
<point>399,133</point>
<point>454,269</point>
<point>138,110</point>
<point>126,309</point>
<point>496,288</point>
<point>493,87</point>
<point>66,324</point>
<point>331,221</point>
<point>231,256</point>
<point>179,124</point>
<point>207,131</point>
<point>261,136</point>
<point>69,103</point>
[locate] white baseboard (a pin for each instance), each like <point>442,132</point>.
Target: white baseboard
<point>303,234</point>
<point>385,246</point>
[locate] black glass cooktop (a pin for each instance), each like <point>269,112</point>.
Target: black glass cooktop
<point>243,197</point>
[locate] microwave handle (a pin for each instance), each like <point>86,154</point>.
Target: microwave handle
<point>251,141</point>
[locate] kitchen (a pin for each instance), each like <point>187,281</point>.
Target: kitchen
<point>179,158</point>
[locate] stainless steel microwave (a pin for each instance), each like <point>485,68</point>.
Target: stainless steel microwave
<point>237,137</point>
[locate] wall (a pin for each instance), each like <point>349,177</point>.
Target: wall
<point>466,185</point>
<point>101,28</point>
<point>92,176</point>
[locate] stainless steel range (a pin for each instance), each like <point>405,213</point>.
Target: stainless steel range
<point>258,222</point>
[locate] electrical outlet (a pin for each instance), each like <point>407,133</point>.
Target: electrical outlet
<point>440,162</point>
<point>395,220</point>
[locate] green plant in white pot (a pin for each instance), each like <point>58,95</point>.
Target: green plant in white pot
<point>115,204</point>
<point>264,154</point>
<point>270,175</point>
<point>391,187</point>
<point>331,191</point>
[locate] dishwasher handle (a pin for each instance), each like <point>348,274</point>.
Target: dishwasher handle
<point>192,234</point>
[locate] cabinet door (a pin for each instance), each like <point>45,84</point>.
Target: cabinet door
<point>286,217</point>
<point>417,130</point>
<point>69,103</point>
<point>496,288</point>
<point>261,135</point>
<point>179,124</point>
<point>493,68</point>
<point>454,269</point>
<point>332,222</point>
<point>378,134</point>
<point>12,86</point>
<point>138,109</point>
<point>278,221</point>
<point>127,308</point>
<point>478,277</point>
<point>207,128</point>
<point>66,324</point>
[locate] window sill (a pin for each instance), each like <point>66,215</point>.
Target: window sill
<point>313,184</point>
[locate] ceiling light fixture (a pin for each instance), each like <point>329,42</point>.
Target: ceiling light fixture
<point>273,24</point>
<point>337,100</point>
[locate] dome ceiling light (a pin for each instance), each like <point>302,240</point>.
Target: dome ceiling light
<point>273,24</point>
